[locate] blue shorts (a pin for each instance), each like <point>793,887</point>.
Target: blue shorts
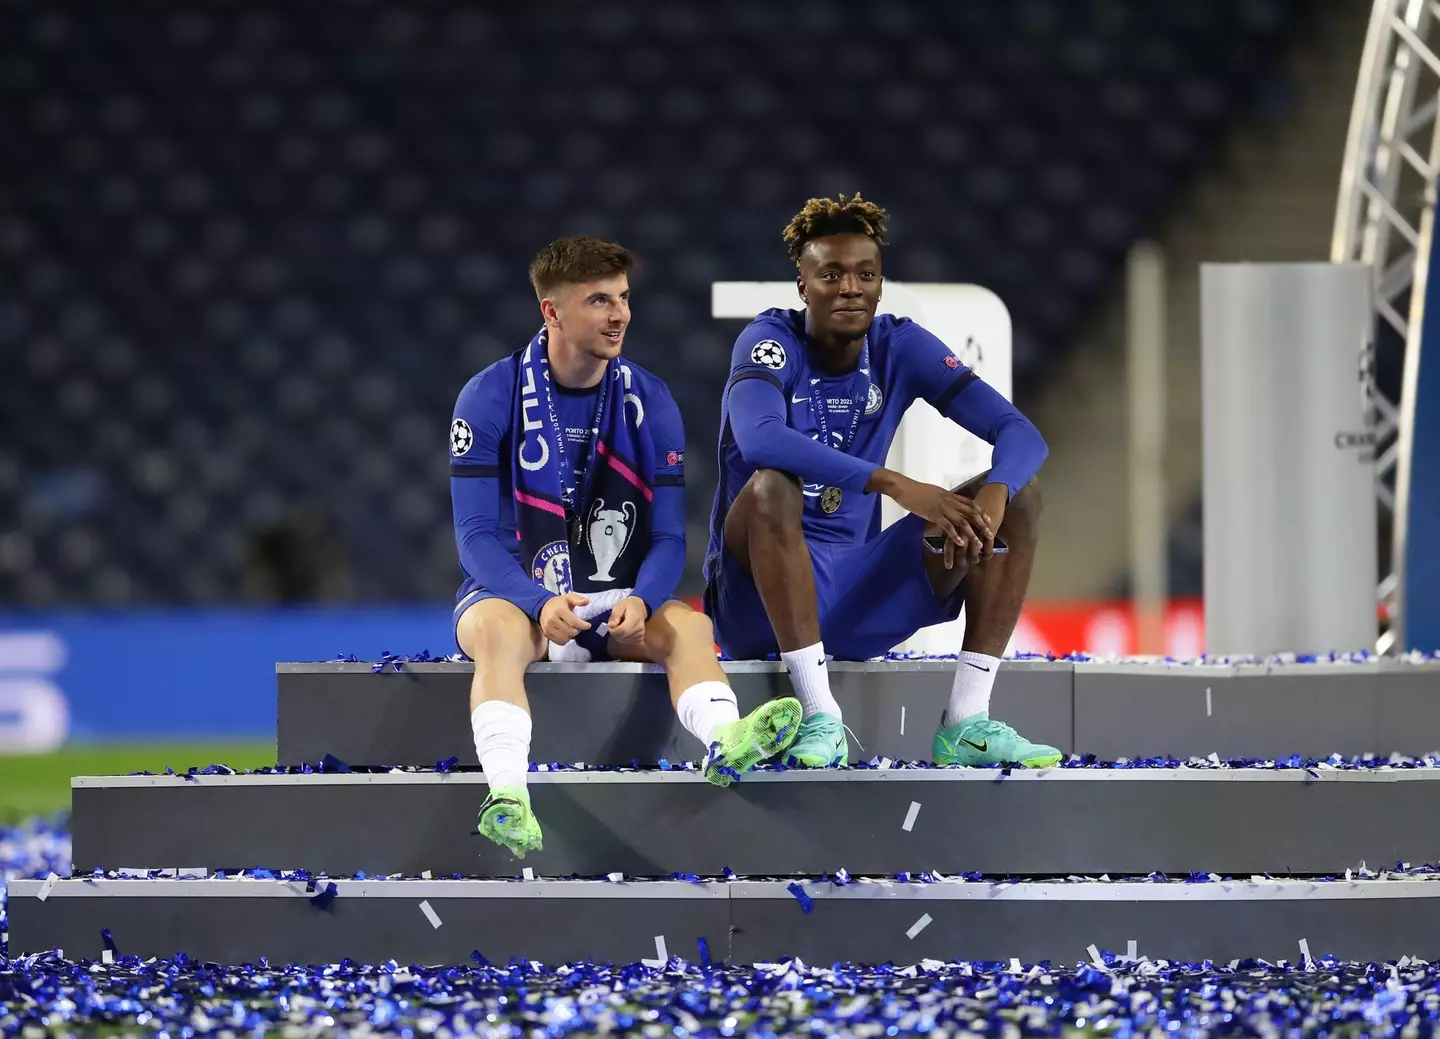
<point>873,595</point>
<point>597,644</point>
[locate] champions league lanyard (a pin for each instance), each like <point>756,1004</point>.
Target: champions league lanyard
<point>831,497</point>
<point>569,491</point>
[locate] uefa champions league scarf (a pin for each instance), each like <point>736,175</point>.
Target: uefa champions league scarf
<point>586,535</point>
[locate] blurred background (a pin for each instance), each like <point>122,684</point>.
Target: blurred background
<point>250,252</point>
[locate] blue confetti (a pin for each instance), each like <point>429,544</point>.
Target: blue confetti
<point>1247,997</point>
<point>796,889</point>
<point>325,896</point>
<point>333,764</point>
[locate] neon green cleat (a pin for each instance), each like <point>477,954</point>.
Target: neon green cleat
<point>979,741</point>
<point>821,743</point>
<point>741,745</point>
<point>506,819</point>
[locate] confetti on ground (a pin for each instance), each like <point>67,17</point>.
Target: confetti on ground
<point>48,995</point>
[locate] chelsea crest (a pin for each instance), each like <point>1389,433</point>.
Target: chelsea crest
<point>552,567</point>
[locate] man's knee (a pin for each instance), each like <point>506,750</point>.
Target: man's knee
<point>775,496</point>
<point>693,628</point>
<point>677,628</point>
<point>496,630</point>
<point>1022,515</point>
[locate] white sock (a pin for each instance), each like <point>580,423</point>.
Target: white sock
<point>974,678</point>
<point>811,679</point>
<point>706,706</point>
<point>502,741</point>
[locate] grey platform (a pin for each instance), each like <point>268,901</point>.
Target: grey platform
<point>653,824</point>
<point>239,921</point>
<point>614,714</point>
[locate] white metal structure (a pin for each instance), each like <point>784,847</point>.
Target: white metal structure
<point>1384,219</point>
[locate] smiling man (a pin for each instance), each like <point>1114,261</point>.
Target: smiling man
<point>567,478</point>
<point>797,563</point>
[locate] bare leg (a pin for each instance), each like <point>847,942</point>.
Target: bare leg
<point>502,641</point>
<point>763,532</point>
<point>994,591</point>
<point>682,641</point>
<point>994,588</point>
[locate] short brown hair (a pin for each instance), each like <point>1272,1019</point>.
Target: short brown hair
<point>576,259</point>
<point>826,216</point>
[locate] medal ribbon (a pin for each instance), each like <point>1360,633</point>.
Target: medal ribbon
<point>568,489</point>
<point>857,403</point>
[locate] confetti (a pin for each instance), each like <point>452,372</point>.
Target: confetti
<point>430,914</point>
<point>673,997</point>
<point>918,926</point>
<point>528,873</point>
<point>909,823</point>
<point>47,887</point>
<point>661,957</point>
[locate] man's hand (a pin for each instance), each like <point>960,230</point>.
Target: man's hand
<point>627,620</point>
<point>964,523</point>
<point>558,620</point>
<point>992,499</point>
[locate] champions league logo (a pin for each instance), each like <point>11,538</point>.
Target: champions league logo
<point>609,534</point>
<point>552,567</point>
<point>768,353</point>
<point>460,437</point>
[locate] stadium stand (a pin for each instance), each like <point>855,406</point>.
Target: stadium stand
<point>250,252</point>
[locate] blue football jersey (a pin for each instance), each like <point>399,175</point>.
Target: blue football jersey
<point>905,363</point>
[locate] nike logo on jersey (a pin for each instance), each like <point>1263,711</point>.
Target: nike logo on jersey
<point>798,400</point>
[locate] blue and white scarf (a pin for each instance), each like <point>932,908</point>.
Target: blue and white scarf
<point>589,534</point>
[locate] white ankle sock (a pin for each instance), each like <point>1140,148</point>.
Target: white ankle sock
<point>974,678</point>
<point>706,706</point>
<point>811,679</point>
<point>502,741</point>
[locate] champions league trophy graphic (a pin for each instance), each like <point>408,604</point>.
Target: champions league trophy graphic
<point>609,533</point>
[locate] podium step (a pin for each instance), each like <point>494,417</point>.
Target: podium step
<point>875,822</point>
<point>434,922</point>
<point>616,713</point>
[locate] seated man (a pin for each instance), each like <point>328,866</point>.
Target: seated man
<point>797,562</point>
<point>567,478</point>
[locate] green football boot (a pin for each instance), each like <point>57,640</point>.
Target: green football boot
<point>741,745</point>
<point>979,741</point>
<point>506,819</point>
<point>821,743</point>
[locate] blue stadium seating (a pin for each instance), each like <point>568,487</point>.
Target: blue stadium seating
<point>250,251</point>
